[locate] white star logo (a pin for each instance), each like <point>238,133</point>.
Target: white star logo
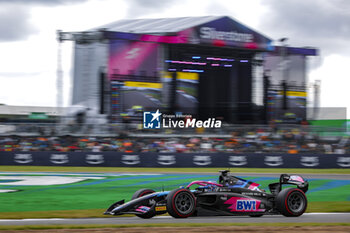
<point>156,115</point>
<point>133,53</point>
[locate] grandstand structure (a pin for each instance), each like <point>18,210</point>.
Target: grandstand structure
<point>29,114</point>
<point>210,66</point>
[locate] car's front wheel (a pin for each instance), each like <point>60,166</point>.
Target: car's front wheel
<point>291,202</point>
<point>181,203</point>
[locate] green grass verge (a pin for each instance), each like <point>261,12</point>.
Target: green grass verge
<point>88,194</point>
<point>328,206</point>
<point>148,169</point>
<point>89,226</point>
<point>90,198</point>
<point>92,213</point>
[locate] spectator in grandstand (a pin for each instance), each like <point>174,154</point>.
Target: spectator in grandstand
<point>242,140</point>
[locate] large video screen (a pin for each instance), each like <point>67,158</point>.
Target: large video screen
<point>186,91</point>
<point>132,67</point>
<point>296,106</point>
<point>126,57</point>
<point>292,70</point>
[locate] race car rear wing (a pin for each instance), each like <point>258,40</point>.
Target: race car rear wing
<point>297,180</point>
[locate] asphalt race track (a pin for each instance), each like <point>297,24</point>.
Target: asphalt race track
<point>308,217</point>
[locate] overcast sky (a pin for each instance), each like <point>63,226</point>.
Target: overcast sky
<point>28,46</point>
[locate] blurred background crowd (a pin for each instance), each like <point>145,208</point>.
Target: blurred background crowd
<point>234,139</point>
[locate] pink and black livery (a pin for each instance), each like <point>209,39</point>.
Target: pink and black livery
<point>231,195</point>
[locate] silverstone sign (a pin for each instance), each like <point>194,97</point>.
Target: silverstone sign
<point>226,32</point>
<point>119,159</point>
<point>213,34</point>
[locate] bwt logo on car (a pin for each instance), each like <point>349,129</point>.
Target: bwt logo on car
<point>243,204</point>
<point>246,205</point>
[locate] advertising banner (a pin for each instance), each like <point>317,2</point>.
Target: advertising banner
<point>227,160</point>
<point>230,33</point>
<point>220,32</point>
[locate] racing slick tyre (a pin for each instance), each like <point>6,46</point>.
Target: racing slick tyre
<point>181,203</point>
<point>291,202</point>
<point>140,193</point>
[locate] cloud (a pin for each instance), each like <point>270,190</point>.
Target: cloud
<point>320,23</point>
<point>14,23</point>
<point>43,2</point>
<point>217,8</point>
<point>15,17</point>
<point>137,8</point>
<point>18,74</point>
<point>334,81</point>
<point>35,90</point>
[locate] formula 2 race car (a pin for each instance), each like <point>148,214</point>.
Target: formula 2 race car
<point>230,196</point>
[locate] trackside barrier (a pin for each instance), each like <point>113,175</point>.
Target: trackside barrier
<point>118,159</point>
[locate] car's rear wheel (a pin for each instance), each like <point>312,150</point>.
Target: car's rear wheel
<point>291,202</point>
<point>140,193</point>
<point>181,203</point>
